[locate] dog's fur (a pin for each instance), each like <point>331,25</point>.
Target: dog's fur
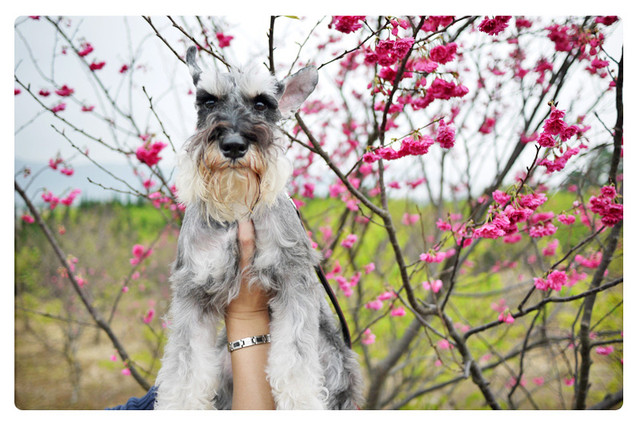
<point>233,168</point>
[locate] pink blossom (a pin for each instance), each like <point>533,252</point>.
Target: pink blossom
<point>374,305</point>
<point>506,317</point>
<point>569,381</point>
<point>346,24</point>
<point>368,338</point>
<point>489,231</point>
<point>349,241</point>
<point>94,66</point>
<point>398,312</point>
<point>488,125</point>
<point>494,26</point>
<point>113,358</point>
<point>124,69</point>
<point>444,344</point>
<point>432,257</point>
<point>386,295</point>
<point>58,108</point>
<point>501,197</point>
<point>604,350</point>
<point>410,219</point>
<point>369,268</point>
<point>27,218</point>
<point>125,372</point>
<point>149,316</point>
<point>443,53</point>
<point>446,135</point>
<point>434,285</point>
<point>566,219</point>
<point>512,238</point>
<point>64,91</point>
<point>550,249</point>
<point>44,93</point>
<point>223,41</point>
<point>556,279</point>
<point>86,49</point>
<point>542,230</point>
<point>442,225</point>
<point>149,153</point>
<point>532,201</point>
<point>538,381</point>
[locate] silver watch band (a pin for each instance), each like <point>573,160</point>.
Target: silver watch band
<point>248,342</point>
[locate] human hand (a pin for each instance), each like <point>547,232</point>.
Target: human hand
<point>252,302</point>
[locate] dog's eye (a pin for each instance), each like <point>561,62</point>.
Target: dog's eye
<point>260,106</point>
<point>210,103</point>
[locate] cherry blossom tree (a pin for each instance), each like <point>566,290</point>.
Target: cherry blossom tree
<point>460,175</point>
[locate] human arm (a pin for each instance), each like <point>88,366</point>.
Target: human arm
<point>248,315</point>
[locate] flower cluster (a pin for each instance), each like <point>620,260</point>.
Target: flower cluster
<point>443,53</point>
<point>346,24</point>
<point>223,41</point>
<point>139,254</point>
<point>412,145</point>
<point>604,206</point>
<point>149,152</point>
<point>388,52</point>
<point>494,26</point>
<point>555,280</point>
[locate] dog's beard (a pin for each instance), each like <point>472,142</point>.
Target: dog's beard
<point>232,188</point>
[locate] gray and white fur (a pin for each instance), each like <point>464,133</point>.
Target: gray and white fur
<point>233,168</point>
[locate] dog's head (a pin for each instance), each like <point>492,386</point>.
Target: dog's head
<point>235,161</point>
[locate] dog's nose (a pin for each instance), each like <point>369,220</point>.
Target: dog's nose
<point>233,146</point>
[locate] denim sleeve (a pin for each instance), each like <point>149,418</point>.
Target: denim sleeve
<point>145,402</point>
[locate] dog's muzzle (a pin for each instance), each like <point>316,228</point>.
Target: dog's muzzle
<point>233,146</point>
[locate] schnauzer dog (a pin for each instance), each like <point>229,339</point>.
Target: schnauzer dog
<point>233,168</point>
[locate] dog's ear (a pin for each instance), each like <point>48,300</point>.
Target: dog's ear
<point>295,89</point>
<point>194,69</point>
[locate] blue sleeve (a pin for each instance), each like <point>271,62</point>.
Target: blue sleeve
<point>145,402</point>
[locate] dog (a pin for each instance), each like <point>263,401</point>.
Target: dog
<point>232,169</point>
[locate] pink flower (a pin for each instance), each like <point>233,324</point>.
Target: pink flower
<point>446,135</point>
<point>386,295</point>
<point>149,153</point>
<point>87,108</point>
<point>113,358</point>
<point>64,91</point>
<point>349,241</point>
<point>501,197</point>
<point>556,279</point>
<point>495,25</point>
<point>125,372</point>
<point>149,316</point>
<point>124,69</point>
<point>346,24</point>
<point>374,305</point>
<point>443,53</point>
<point>434,285</point>
<point>442,225</point>
<point>369,268</point>
<point>86,49</point>
<point>223,41</point>
<point>604,351</point>
<point>488,231</point>
<point>94,66</point>
<point>550,249</point>
<point>27,218</point>
<point>432,257</point>
<point>397,312</point>
<point>566,219</point>
<point>368,338</point>
<point>444,344</point>
<point>410,219</point>
<point>58,108</point>
<point>569,381</point>
<point>44,93</point>
<point>488,125</point>
<point>506,317</point>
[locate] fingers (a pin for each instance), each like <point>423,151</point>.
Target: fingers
<point>246,241</point>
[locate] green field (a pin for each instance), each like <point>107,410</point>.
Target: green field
<point>63,361</point>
